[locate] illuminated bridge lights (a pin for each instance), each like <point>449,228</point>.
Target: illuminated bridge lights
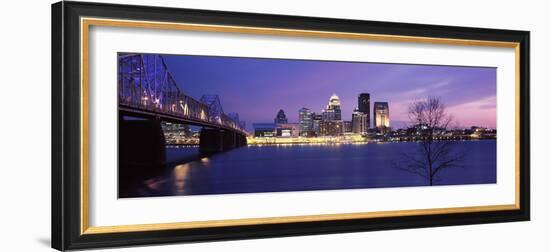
<point>145,83</point>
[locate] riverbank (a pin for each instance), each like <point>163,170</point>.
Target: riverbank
<point>353,140</point>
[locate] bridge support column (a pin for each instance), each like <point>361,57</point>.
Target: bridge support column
<point>211,141</point>
<point>229,140</point>
<point>142,151</point>
<point>241,140</point>
<point>216,140</point>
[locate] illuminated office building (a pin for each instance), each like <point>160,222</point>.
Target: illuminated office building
<point>381,115</point>
<point>288,130</point>
<point>305,117</point>
<point>331,123</point>
<point>347,126</point>
<point>333,111</point>
<point>363,106</point>
<point>359,122</point>
<point>317,123</point>
<point>264,129</point>
<point>331,128</point>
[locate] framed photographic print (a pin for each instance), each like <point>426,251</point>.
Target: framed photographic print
<point>179,125</point>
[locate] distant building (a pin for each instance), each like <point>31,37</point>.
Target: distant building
<point>363,106</point>
<point>347,126</point>
<point>175,133</point>
<point>317,123</point>
<point>331,118</point>
<point>305,116</point>
<point>281,117</point>
<point>482,132</point>
<point>381,115</point>
<point>182,130</point>
<point>331,128</point>
<point>288,130</point>
<point>264,129</point>
<point>360,122</point>
<point>333,111</point>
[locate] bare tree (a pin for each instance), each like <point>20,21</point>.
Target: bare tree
<point>429,119</point>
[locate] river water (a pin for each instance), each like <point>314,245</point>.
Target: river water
<point>279,168</point>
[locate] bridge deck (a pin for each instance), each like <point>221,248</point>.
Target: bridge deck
<point>174,118</point>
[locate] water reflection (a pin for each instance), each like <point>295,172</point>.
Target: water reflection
<point>177,181</point>
<point>180,176</point>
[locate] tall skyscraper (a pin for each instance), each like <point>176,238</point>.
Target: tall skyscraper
<point>359,122</point>
<point>317,123</point>
<point>305,116</point>
<point>281,117</point>
<point>381,115</point>
<point>331,124</point>
<point>333,111</point>
<point>363,106</point>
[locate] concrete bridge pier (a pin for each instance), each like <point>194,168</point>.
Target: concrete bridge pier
<point>241,140</point>
<point>141,148</point>
<point>229,140</point>
<point>216,140</point>
<point>211,141</point>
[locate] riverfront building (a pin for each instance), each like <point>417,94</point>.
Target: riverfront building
<point>331,123</point>
<point>360,122</point>
<point>305,117</point>
<point>363,106</point>
<point>347,126</point>
<point>331,128</point>
<point>332,112</point>
<point>288,130</point>
<point>381,116</point>
<point>317,118</point>
<point>264,129</point>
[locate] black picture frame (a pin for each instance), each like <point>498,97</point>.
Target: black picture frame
<point>66,112</point>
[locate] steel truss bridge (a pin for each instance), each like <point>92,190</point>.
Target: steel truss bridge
<point>147,89</point>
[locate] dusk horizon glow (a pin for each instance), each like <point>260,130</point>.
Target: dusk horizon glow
<point>257,88</point>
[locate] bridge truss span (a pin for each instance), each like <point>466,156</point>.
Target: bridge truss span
<point>146,86</point>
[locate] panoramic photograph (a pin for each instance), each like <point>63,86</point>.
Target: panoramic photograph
<point>207,125</point>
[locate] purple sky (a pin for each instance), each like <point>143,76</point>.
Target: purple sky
<point>258,88</point>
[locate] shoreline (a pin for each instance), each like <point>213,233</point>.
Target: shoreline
<point>359,142</point>
<point>301,141</point>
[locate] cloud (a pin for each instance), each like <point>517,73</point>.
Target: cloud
<point>414,92</point>
<point>481,112</point>
<point>441,84</point>
<point>488,106</point>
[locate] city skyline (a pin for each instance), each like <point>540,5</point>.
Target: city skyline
<point>258,88</point>
<point>329,120</point>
